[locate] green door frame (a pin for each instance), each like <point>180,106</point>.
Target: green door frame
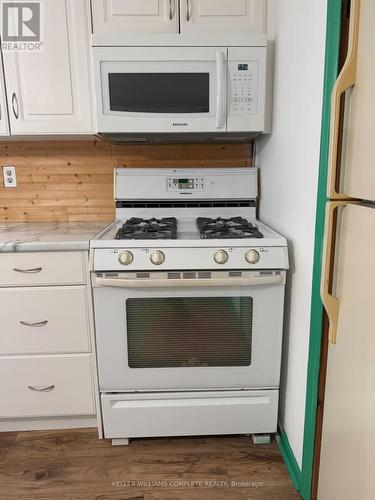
<point>334,9</point>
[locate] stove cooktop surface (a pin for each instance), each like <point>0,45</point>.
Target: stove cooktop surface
<point>137,228</point>
<point>185,232</point>
<point>181,244</point>
<point>232,228</point>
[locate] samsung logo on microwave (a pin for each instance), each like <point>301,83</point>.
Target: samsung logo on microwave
<point>180,124</point>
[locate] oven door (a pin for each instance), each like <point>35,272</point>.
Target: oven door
<point>161,89</point>
<point>162,333</point>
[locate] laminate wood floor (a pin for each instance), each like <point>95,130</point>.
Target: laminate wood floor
<point>75,464</point>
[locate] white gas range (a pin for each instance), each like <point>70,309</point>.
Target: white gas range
<point>188,299</point>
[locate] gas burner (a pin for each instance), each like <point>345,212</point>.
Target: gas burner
<point>235,227</point>
<point>137,228</point>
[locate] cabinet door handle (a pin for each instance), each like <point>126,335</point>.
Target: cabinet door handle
<point>15,105</point>
<point>41,388</point>
<point>39,323</point>
<point>30,271</point>
<point>172,9</point>
<point>188,10</point>
<point>1,112</point>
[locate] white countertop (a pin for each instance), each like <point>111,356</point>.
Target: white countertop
<point>48,236</point>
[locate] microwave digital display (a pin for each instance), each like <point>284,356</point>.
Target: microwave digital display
<point>180,93</point>
<point>243,67</point>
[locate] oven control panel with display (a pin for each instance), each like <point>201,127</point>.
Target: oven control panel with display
<point>186,184</point>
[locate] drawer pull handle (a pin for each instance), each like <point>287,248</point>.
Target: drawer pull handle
<point>39,323</point>
<point>35,270</point>
<point>41,388</point>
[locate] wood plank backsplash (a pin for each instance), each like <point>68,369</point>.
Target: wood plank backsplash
<point>73,180</point>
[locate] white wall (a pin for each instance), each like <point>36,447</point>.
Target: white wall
<point>289,162</point>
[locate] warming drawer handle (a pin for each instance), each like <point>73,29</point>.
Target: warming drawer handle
<point>220,105</point>
<point>37,324</point>
<point>163,283</point>
<point>29,271</point>
<point>41,388</point>
<point>345,80</point>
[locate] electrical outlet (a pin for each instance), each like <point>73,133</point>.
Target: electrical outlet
<point>9,176</point>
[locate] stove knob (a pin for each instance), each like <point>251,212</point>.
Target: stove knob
<point>221,257</point>
<point>125,258</point>
<point>157,257</point>
<point>252,257</point>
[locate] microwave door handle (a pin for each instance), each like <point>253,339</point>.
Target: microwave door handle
<point>220,106</point>
<point>276,279</point>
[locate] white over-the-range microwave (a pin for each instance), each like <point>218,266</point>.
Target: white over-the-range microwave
<point>180,88</point>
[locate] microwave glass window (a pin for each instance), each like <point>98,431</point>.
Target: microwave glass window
<point>159,92</point>
<point>189,332</point>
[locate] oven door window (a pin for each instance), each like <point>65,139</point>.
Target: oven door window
<point>159,92</point>
<point>189,332</point>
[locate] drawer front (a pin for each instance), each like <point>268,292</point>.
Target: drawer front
<point>42,268</point>
<point>43,386</point>
<point>176,414</point>
<point>43,320</point>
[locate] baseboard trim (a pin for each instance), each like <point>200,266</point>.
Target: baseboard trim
<point>289,458</point>
<point>38,424</point>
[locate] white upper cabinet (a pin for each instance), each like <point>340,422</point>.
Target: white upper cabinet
<point>4,125</point>
<point>49,92</point>
<point>223,16</point>
<point>135,16</point>
<point>179,16</point>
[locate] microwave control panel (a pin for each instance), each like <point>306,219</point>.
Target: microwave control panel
<point>186,184</point>
<point>244,87</point>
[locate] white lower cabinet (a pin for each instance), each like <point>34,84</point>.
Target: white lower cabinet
<point>44,320</point>
<point>42,268</point>
<point>45,386</point>
<point>47,359</point>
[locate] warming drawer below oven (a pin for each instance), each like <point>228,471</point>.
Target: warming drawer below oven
<point>190,413</point>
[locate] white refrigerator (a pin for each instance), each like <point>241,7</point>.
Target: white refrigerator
<point>347,459</point>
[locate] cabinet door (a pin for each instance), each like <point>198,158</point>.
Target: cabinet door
<point>46,386</point>
<point>223,16</point>
<point>49,92</point>
<point>135,16</point>
<point>4,124</point>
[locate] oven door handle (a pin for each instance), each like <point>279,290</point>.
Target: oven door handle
<point>276,279</point>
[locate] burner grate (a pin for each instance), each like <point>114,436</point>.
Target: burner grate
<point>137,228</point>
<point>235,227</point>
